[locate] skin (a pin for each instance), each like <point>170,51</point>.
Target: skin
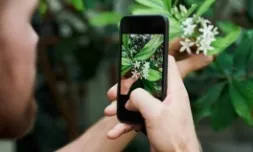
<point>17,63</point>
<point>168,128</point>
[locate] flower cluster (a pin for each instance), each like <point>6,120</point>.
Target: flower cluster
<point>198,32</point>
<point>179,12</point>
<point>140,69</point>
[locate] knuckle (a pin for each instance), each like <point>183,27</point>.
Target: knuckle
<point>160,112</point>
<point>135,92</point>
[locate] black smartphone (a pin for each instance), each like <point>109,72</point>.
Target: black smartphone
<point>143,60</point>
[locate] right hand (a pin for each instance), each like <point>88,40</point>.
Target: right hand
<point>169,124</point>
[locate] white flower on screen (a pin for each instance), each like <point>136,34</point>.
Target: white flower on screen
<point>135,74</point>
<point>146,64</point>
<point>186,45</point>
<point>132,35</point>
<point>137,64</point>
<point>145,70</point>
<point>132,51</point>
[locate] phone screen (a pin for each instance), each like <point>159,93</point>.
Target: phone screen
<point>143,61</point>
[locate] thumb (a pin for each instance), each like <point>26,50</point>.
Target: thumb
<point>143,102</point>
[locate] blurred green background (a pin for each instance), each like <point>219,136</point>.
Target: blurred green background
<point>77,64</point>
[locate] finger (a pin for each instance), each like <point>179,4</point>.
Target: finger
<point>193,63</point>
<point>112,93</point>
<point>126,84</point>
<point>111,110</point>
<point>174,77</point>
<point>118,130</point>
<point>140,100</point>
<point>174,46</point>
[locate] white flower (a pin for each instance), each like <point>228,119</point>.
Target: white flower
<point>202,21</point>
<point>189,29</point>
<point>137,64</point>
<point>186,45</point>
<point>188,26</point>
<point>183,9</point>
<point>215,31</point>
<point>135,74</point>
<point>207,30</point>
<point>145,70</point>
<point>132,35</point>
<point>204,47</point>
<point>174,10</point>
<point>146,65</point>
<point>207,40</point>
<point>132,51</point>
<point>188,21</point>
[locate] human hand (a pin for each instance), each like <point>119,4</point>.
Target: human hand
<point>169,123</point>
<point>185,63</point>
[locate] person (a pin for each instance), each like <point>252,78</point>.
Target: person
<point>169,124</point>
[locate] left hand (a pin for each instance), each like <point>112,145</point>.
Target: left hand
<point>185,63</point>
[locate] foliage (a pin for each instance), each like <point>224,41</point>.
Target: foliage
<point>178,15</point>
<point>142,59</point>
<point>231,96</point>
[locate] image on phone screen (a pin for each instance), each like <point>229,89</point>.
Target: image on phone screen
<point>142,63</point>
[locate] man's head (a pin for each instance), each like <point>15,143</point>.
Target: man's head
<point>17,67</point>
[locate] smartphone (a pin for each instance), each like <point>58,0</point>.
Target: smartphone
<point>143,61</point>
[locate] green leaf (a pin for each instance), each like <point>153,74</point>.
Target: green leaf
<point>202,107</point>
<point>125,40</point>
<point>224,63</point>
<point>211,96</point>
<point>175,29</point>
<point>246,89</point>
<point>227,26</point>
<point>148,86</point>
<point>204,7</point>
<point>150,48</point>
<point>105,19</point>
<point>125,69</point>
<point>223,114</point>
<point>78,4</point>
<point>158,4</point>
<point>154,75</point>
<point>191,10</point>
<point>146,11</point>
<point>126,61</point>
<point>223,42</point>
<point>167,4</point>
<point>43,7</point>
<point>241,100</point>
<point>242,55</point>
